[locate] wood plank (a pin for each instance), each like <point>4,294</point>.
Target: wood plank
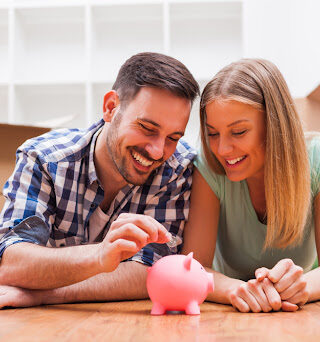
<point>131,321</point>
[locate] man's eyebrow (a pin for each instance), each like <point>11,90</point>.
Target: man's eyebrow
<point>232,124</point>
<point>158,126</point>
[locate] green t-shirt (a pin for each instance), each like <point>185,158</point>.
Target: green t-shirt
<point>241,236</point>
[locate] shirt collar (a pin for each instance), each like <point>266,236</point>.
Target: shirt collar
<point>92,170</point>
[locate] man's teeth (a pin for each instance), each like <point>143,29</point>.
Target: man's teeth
<point>143,161</point>
<point>233,161</point>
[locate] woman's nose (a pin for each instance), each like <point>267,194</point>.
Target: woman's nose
<point>225,146</point>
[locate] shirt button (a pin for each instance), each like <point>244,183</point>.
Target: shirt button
<point>92,205</point>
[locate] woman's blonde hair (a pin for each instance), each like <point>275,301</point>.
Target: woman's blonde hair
<point>259,83</point>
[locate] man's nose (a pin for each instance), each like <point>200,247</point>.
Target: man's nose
<point>155,148</point>
<point>225,146</point>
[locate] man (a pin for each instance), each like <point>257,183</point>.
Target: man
<point>117,191</point>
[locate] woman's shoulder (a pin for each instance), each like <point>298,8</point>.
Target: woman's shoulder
<point>215,180</point>
<point>313,147</point>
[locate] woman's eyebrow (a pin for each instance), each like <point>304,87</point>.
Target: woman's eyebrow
<point>233,123</point>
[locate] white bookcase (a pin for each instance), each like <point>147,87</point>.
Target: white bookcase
<point>59,57</point>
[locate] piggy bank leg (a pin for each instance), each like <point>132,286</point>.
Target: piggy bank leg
<point>193,308</point>
<point>158,309</point>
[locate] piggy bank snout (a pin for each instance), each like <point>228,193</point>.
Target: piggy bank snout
<point>210,282</point>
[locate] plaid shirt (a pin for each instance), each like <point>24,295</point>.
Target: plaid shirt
<point>54,189</point>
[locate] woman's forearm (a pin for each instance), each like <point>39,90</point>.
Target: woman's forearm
<point>313,284</point>
<point>223,286</point>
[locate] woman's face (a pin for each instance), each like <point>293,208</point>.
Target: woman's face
<point>237,134</point>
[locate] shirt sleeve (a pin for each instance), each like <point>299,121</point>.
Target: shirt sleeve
<point>28,211</point>
<point>314,160</point>
<point>214,180</point>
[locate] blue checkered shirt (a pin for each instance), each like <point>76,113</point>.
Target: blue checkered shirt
<point>54,190</point>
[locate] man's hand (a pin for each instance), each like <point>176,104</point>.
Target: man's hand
<point>255,296</point>
<point>288,280</point>
<point>17,297</point>
<point>126,236</point>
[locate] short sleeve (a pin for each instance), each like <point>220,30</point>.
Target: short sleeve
<point>314,160</point>
<point>214,180</point>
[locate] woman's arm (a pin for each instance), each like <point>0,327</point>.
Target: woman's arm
<point>313,277</point>
<point>293,286</point>
<point>200,236</point>
<point>200,232</point>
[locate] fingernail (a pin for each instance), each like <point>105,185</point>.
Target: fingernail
<point>168,236</point>
<point>259,276</point>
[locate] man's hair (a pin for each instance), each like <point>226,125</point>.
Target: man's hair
<point>150,69</point>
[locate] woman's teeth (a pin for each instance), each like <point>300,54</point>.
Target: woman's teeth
<point>233,161</point>
<point>143,161</point>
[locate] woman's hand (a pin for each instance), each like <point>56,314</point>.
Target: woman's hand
<point>288,279</point>
<point>256,296</point>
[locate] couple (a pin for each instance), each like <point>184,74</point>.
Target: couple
<point>120,191</point>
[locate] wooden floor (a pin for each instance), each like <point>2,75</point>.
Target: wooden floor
<point>131,321</point>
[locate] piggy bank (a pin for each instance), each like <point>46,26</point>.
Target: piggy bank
<point>178,283</point>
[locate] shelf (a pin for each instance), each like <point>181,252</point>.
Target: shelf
<point>210,31</point>
<point>4,103</point>
<point>47,3</point>
<point>4,60</point>
<point>47,105</point>
<point>121,31</point>
<point>50,44</point>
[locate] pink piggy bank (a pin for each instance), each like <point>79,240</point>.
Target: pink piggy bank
<point>178,283</point>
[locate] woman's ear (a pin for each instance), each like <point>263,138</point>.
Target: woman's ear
<point>110,102</point>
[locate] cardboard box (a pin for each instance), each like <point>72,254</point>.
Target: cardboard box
<point>11,137</point>
<point>309,110</point>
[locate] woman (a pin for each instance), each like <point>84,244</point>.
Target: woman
<point>255,206</point>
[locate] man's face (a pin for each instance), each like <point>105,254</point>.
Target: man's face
<point>145,133</point>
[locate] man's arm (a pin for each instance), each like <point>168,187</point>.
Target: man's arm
<point>127,282</point>
<point>35,267</point>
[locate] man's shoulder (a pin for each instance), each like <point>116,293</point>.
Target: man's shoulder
<point>65,144</point>
<point>179,165</point>
<point>182,156</point>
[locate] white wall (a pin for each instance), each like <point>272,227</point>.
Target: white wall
<point>58,57</point>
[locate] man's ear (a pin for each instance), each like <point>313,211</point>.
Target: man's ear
<point>110,102</point>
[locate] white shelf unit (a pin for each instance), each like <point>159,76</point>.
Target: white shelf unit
<point>4,53</point>
<point>49,45</point>
<point>58,58</point>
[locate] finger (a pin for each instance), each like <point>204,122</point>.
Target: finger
<point>261,273</point>
<point>289,278</point>
<point>131,232</point>
<point>123,246</point>
<point>245,294</point>
<point>156,231</point>
<point>272,294</point>
<point>163,235</point>
<point>299,298</point>
<point>255,288</point>
<point>286,306</point>
<point>239,303</point>
<point>293,289</point>
<point>278,271</point>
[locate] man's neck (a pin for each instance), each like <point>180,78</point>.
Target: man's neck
<point>109,177</point>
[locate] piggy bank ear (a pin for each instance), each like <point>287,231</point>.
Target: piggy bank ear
<point>187,261</point>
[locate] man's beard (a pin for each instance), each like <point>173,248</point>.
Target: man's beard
<point>119,160</point>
